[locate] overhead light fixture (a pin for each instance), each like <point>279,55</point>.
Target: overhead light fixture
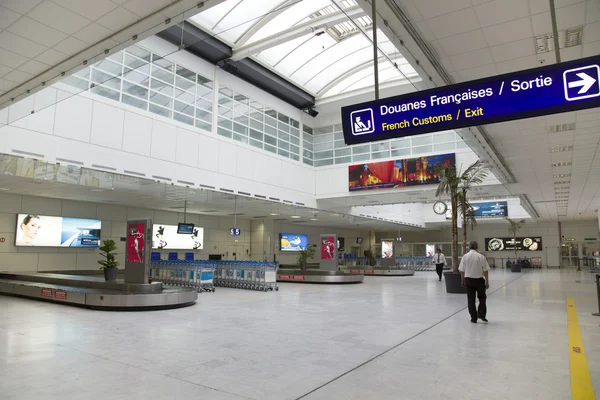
<point>274,214</point>
<point>561,182</point>
<point>314,219</point>
<point>295,217</point>
<point>4,189</point>
<point>561,149</point>
<point>562,164</point>
<point>562,175</point>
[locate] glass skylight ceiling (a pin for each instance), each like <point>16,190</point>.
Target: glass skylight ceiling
<point>311,42</point>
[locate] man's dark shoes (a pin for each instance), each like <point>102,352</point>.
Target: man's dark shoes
<point>474,321</point>
<point>483,319</point>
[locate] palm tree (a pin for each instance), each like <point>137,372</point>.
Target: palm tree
<point>515,226</point>
<point>474,175</point>
<point>449,185</point>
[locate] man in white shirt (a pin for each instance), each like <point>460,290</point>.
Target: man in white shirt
<point>475,278</point>
<point>439,260</point>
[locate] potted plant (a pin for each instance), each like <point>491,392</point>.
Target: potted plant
<point>513,228</point>
<point>456,185</point>
<point>109,263</point>
<point>474,175</point>
<point>305,254</point>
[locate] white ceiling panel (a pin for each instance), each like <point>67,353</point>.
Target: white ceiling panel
<point>509,51</point>
<point>7,17</point>
<point>58,17</point>
<point>37,35</point>
<point>447,25</point>
<point>90,10</point>
<point>498,11</point>
<point>435,8</point>
<point>507,32</point>
<point>32,30</point>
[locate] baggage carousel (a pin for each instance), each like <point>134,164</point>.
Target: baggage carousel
<point>93,292</point>
<point>317,276</point>
<point>379,271</point>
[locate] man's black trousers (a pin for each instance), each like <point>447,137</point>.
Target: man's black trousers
<point>476,286</point>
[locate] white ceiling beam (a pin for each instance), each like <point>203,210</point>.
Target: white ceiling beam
<point>264,21</point>
<point>314,26</point>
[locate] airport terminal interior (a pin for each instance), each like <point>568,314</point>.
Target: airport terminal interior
<point>271,199</point>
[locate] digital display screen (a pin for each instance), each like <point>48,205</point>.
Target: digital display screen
<point>556,88</point>
<point>185,229</point>
<point>387,249</point>
<point>341,244</point>
<point>521,243</point>
<point>168,237</point>
<point>398,173</point>
<point>359,240</point>
<point>488,209</point>
<point>292,242</point>
<point>45,231</point>
<point>327,247</point>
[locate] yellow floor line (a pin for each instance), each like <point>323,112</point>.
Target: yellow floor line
<point>581,381</point>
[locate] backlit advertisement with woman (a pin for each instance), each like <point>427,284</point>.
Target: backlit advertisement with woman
<point>45,231</point>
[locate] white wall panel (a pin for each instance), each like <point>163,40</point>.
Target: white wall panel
<point>74,118</point>
<point>208,157</point>
<point>87,261</point>
<point>41,206</point>
<point>107,126</point>
<point>20,109</point>
<point>57,262</point>
<point>14,138</point>
<point>187,147</point>
<point>137,134</point>
<point>164,141</point>
<point>8,223</point>
<point>78,209</point>
<point>111,213</point>
<point>227,159</point>
<point>10,203</point>
<point>245,163</point>
<point>19,262</point>
<point>43,105</point>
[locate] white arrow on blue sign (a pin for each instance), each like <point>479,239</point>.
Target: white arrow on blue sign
<point>582,83</point>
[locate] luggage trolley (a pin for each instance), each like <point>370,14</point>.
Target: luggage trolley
<point>250,275</point>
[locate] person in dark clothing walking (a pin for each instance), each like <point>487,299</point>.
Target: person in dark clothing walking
<point>475,278</point>
<point>440,261</point>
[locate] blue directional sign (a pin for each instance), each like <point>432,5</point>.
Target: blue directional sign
<point>235,231</point>
<point>552,89</point>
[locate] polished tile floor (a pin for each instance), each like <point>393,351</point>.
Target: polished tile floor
<point>389,338</point>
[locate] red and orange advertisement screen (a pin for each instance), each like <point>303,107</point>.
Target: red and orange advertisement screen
<point>398,173</point>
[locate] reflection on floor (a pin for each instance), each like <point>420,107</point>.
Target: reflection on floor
<point>389,338</point>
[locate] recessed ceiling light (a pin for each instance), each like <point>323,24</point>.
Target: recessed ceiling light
<point>561,182</point>
<point>96,190</point>
<point>561,187</point>
<point>562,164</point>
<point>314,219</point>
<point>4,189</point>
<point>295,217</point>
<point>274,214</point>
<point>336,215</point>
<point>561,149</point>
<point>562,175</point>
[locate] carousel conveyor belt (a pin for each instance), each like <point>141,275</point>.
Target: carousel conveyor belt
<point>379,271</point>
<point>317,276</point>
<point>93,292</point>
